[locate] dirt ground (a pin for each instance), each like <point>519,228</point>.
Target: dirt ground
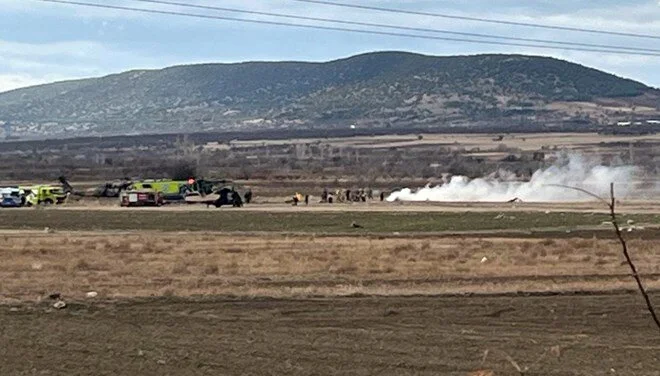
<point>548,335</point>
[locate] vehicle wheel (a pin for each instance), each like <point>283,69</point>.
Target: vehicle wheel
<point>48,202</point>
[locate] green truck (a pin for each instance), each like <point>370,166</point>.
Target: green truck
<point>177,190</point>
<point>170,190</point>
<point>44,195</point>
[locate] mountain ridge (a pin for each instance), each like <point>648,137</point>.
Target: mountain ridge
<point>377,89</point>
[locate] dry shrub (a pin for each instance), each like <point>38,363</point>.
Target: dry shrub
<point>118,247</point>
<point>346,269</point>
<point>57,267</point>
<point>644,247</point>
<point>548,242</point>
<point>234,250</point>
<point>211,269</point>
<point>152,247</point>
<point>581,243</point>
<point>425,246</point>
<point>82,265</point>
<point>562,252</point>
<point>180,267</point>
<point>526,246</point>
<point>232,268</point>
<point>523,260</point>
<point>398,249</point>
<point>381,270</point>
<point>601,253</point>
<point>450,256</point>
<point>485,244</point>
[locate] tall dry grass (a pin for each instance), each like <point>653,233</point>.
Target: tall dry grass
<point>193,263</point>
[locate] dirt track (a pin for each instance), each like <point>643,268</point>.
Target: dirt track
<point>553,335</point>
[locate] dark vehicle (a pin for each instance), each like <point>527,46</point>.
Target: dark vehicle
<point>111,189</point>
<point>221,197</point>
<point>107,189</point>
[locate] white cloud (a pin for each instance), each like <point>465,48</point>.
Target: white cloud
<point>31,62</point>
<point>15,81</point>
<point>25,64</point>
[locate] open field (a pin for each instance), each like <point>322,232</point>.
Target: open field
<point>454,336</point>
<point>585,142</point>
<point>416,289</point>
<point>296,220</point>
<point>298,291</point>
<point>187,264</point>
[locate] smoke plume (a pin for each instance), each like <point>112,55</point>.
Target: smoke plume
<point>571,170</point>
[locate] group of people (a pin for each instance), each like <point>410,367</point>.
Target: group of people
<point>347,195</point>
<point>339,196</point>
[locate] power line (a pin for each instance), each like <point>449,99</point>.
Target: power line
<point>478,19</point>
<point>395,27</point>
<point>334,28</point>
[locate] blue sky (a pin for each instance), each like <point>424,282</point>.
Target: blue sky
<point>42,42</point>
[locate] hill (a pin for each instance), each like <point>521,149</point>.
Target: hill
<point>371,90</point>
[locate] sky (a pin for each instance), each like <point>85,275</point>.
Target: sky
<point>44,42</point>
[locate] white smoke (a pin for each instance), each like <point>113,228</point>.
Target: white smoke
<point>570,170</point>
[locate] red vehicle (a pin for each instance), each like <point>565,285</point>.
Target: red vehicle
<point>147,197</point>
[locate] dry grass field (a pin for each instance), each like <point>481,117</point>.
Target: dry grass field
<point>189,264</point>
<point>194,303</point>
<point>189,292</point>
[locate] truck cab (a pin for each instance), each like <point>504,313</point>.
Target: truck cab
<point>45,195</point>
